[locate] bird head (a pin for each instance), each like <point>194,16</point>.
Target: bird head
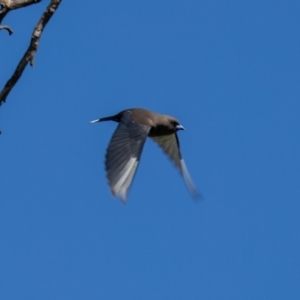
<point>176,124</point>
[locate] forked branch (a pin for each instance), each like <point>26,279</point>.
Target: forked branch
<point>28,56</point>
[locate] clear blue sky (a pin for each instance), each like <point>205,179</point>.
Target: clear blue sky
<point>230,72</point>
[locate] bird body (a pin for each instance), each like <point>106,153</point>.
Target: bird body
<point>126,145</point>
<point>159,123</point>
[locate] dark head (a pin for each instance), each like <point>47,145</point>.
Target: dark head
<point>165,125</point>
<point>175,124</point>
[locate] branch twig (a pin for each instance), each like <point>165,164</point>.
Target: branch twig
<point>10,31</point>
<point>14,4</point>
<point>28,56</point>
<point>7,5</point>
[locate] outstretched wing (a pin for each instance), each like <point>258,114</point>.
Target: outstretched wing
<point>123,154</point>
<point>170,145</point>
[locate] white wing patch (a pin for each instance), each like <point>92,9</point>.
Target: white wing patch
<point>187,179</point>
<point>121,187</point>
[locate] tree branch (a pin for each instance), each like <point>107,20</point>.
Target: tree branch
<point>7,5</point>
<point>14,4</point>
<point>28,56</point>
<point>10,31</point>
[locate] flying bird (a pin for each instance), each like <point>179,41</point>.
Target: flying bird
<point>126,145</point>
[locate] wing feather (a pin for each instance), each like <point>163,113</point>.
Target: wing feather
<point>123,154</point>
<point>170,145</point>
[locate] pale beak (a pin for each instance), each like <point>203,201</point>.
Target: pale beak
<point>179,127</point>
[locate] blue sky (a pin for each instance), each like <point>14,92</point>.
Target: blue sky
<point>229,71</point>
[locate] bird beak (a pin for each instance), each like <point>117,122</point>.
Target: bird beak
<point>179,127</point>
<point>95,121</point>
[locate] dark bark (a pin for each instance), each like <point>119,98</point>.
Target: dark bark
<point>29,55</point>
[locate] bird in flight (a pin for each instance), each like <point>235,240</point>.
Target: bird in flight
<point>126,145</point>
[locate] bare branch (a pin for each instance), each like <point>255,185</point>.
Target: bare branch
<point>3,13</point>
<point>14,4</point>
<point>7,5</point>
<point>10,31</point>
<point>28,56</point>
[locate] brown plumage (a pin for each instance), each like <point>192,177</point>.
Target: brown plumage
<point>126,145</point>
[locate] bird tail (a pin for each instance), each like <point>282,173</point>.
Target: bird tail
<point>111,118</point>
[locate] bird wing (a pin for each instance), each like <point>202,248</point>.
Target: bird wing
<point>123,154</point>
<point>170,145</point>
